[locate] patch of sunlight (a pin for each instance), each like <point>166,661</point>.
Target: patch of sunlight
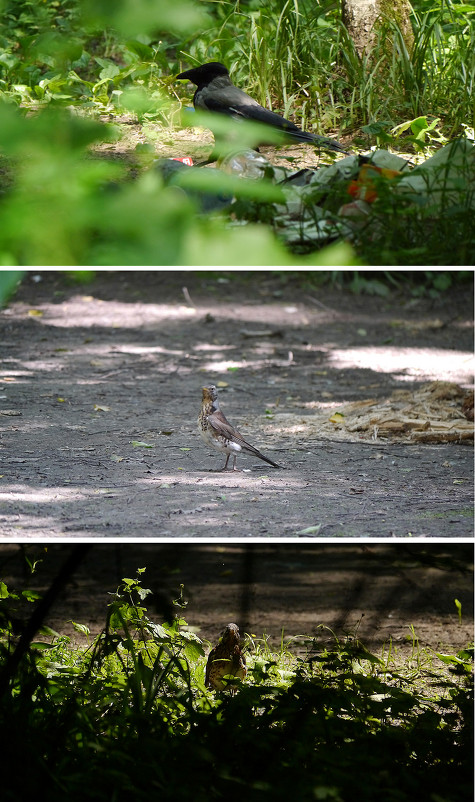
<point>44,495</point>
<point>259,362</point>
<point>139,349</point>
<point>406,364</point>
<point>220,367</point>
<point>86,311</point>
<point>240,478</point>
<point>20,526</point>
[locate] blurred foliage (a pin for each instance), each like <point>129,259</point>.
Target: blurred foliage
<point>9,280</point>
<point>76,186</point>
<point>128,716</point>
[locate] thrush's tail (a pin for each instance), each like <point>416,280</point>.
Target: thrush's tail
<point>251,450</point>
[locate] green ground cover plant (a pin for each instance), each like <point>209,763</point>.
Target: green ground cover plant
<point>129,715</point>
<point>75,75</point>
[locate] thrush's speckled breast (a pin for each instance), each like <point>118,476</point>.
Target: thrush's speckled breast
<point>218,433</point>
<point>226,659</point>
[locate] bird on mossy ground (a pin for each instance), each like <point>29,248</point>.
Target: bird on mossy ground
<point>216,93</point>
<point>218,433</point>
<point>225,660</point>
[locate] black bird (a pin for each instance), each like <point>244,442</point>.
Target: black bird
<point>216,93</point>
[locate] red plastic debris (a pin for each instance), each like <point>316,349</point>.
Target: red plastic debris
<point>185,159</point>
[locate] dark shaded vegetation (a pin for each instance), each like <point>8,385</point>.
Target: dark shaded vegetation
<point>130,715</point>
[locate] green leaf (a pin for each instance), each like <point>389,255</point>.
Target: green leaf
<point>450,659</point>
<point>9,280</point>
<point>193,651</point>
<point>134,17</point>
<point>111,71</point>
<point>377,128</point>
<point>310,530</point>
<point>159,632</point>
<point>219,183</point>
<point>82,628</point>
<point>140,49</point>
<point>442,281</point>
<point>31,595</point>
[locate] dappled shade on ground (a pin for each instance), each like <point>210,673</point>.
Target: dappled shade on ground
<point>103,385</point>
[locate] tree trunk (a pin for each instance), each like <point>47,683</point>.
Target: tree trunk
<point>364,18</point>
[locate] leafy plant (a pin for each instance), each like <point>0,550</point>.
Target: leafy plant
<point>9,279</point>
<point>130,712</point>
<point>77,191</point>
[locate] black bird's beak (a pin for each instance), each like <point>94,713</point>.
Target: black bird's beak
<point>183,75</point>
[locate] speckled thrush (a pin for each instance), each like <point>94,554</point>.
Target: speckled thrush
<point>226,659</point>
<point>217,432</point>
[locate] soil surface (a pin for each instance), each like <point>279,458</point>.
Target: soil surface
<point>377,591</point>
<point>100,388</point>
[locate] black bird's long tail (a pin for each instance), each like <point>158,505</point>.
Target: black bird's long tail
<point>216,93</point>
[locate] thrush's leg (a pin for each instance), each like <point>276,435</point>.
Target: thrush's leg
<point>226,463</point>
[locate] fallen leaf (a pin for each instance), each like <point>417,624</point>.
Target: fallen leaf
<point>140,444</point>
<point>35,312</point>
<point>222,384</point>
<point>310,530</point>
<point>337,417</point>
<point>98,408</point>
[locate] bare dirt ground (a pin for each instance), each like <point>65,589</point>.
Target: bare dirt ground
<point>197,143</point>
<point>100,389</point>
<point>377,591</point>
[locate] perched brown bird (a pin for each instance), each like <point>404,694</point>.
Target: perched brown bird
<point>226,659</point>
<point>217,432</point>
